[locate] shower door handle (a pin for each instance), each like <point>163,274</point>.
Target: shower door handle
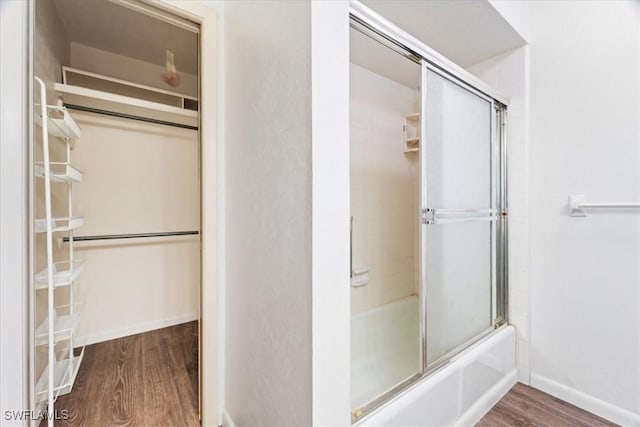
<point>432,216</point>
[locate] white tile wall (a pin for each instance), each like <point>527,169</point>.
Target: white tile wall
<point>507,73</point>
<point>384,189</point>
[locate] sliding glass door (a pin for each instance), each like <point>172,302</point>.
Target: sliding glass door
<point>460,214</point>
<point>428,216</point>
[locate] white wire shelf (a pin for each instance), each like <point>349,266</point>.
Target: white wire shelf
<point>64,273</point>
<point>59,122</point>
<point>64,376</point>
<point>63,327</point>
<point>59,172</point>
<point>59,224</point>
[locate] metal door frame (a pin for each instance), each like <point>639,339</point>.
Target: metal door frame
<point>378,28</point>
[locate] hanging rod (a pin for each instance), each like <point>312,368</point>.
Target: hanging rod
<point>128,116</point>
<point>577,205</point>
<point>130,236</point>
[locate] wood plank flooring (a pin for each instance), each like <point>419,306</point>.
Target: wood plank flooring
<point>526,406</point>
<point>148,379</point>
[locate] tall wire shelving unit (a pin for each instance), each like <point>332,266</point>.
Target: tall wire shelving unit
<point>60,321</point>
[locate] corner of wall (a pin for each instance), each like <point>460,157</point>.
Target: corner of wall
<point>330,214</point>
<point>516,13</point>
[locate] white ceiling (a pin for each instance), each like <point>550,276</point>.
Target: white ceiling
<point>104,25</point>
<point>465,31</point>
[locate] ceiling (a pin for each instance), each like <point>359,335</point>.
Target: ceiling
<point>465,31</point>
<point>102,24</point>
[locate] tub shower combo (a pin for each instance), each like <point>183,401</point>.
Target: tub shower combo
<point>429,334</point>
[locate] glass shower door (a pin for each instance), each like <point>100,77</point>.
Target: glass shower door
<point>459,214</point>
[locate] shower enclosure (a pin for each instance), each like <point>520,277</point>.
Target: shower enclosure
<point>451,176</point>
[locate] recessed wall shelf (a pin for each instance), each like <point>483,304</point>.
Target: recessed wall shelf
<point>411,130</point>
<point>59,224</point>
<point>64,273</point>
<point>59,172</point>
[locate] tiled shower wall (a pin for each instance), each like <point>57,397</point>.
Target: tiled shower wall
<point>384,190</point>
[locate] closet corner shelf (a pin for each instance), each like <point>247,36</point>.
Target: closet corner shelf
<point>62,330</point>
<point>59,224</point>
<point>64,273</point>
<point>411,145</point>
<point>59,122</point>
<point>64,376</point>
<point>413,117</point>
<point>59,172</point>
<point>411,130</point>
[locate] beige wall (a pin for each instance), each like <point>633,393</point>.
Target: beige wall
<point>51,46</point>
<point>138,178</point>
<point>384,189</point>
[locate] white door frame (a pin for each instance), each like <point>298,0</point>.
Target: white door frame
<point>14,176</point>
<point>207,17</point>
<point>14,224</point>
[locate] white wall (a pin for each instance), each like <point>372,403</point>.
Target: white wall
<point>585,275</point>
<point>330,213</point>
<point>14,301</point>
<point>584,296</point>
<point>268,213</point>
<point>384,189</point>
<point>508,74</point>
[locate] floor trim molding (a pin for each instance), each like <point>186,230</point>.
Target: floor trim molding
<point>101,336</point>
<point>587,402</point>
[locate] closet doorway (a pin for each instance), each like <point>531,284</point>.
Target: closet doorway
<point>123,236</point>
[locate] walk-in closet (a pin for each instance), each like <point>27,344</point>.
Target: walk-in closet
<point>116,208</point>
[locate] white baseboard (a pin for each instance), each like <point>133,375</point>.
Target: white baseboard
<point>487,401</point>
<point>589,403</point>
<point>227,421</point>
<point>101,336</point>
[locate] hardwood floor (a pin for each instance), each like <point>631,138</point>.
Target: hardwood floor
<point>149,379</point>
<point>526,406</point>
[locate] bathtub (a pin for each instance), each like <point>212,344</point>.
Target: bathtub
<point>384,347</point>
